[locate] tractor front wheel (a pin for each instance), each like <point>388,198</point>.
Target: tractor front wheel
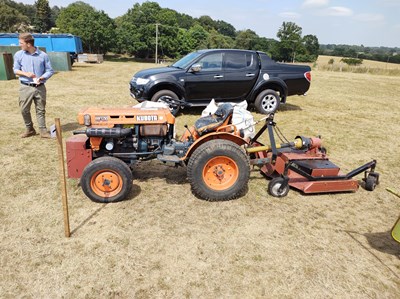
<point>106,179</point>
<point>218,170</point>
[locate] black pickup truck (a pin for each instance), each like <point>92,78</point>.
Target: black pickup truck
<point>224,75</point>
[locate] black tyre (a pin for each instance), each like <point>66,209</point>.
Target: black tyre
<point>274,187</point>
<point>169,97</point>
<point>267,101</point>
<point>218,170</point>
<point>371,181</point>
<point>106,179</point>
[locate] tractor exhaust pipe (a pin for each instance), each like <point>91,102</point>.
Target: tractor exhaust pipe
<point>105,132</point>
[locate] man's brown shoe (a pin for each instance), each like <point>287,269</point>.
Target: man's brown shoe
<point>28,133</point>
<point>44,133</point>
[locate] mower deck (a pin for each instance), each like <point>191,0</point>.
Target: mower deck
<point>313,170</point>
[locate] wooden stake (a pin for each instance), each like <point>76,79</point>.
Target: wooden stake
<point>63,179</point>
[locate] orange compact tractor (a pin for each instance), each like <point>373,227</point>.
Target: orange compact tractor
<point>216,153</point>
<point>104,154</point>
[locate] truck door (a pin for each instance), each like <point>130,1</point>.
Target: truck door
<point>207,83</point>
<point>241,70</point>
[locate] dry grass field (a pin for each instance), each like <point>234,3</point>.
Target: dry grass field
<point>165,243</point>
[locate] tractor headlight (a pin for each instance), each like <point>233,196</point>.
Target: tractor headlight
<point>142,81</point>
<point>86,120</point>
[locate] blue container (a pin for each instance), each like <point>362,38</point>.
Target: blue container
<point>52,42</point>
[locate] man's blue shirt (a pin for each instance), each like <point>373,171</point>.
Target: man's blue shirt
<point>37,63</point>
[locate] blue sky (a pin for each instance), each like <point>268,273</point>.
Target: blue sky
<point>353,22</point>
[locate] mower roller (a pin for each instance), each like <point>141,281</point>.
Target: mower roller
<point>304,165</point>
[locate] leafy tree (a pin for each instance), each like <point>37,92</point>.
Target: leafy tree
<point>136,30</point>
<point>11,19</point>
<point>42,20</point>
<point>95,28</point>
<point>246,39</point>
<point>289,35</point>
<point>207,23</point>
<point>185,21</point>
<point>199,36</point>
<point>216,40</point>
<point>55,11</point>
<point>352,61</point>
<point>311,44</point>
<point>226,29</point>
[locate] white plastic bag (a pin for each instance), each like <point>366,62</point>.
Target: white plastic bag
<point>241,118</point>
<point>150,104</point>
<point>210,109</point>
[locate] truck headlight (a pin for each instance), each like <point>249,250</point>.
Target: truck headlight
<point>142,81</point>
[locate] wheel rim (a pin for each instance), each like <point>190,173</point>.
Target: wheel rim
<point>220,173</point>
<point>275,189</point>
<point>269,103</point>
<point>106,183</point>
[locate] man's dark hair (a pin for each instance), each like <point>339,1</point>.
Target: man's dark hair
<point>27,37</point>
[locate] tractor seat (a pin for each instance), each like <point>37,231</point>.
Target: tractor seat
<point>211,122</point>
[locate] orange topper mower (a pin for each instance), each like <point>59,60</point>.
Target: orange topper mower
<point>303,165</point>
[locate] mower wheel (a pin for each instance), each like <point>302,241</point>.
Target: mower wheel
<point>267,101</point>
<point>169,97</point>
<point>218,170</point>
<point>274,187</point>
<point>371,181</point>
<point>106,179</point>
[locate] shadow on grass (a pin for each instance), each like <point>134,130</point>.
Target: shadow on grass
<point>70,127</point>
<point>84,222</point>
<point>289,107</point>
<point>382,242</point>
<point>145,171</point>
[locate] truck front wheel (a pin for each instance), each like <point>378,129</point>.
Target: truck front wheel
<point>106,179</point>
<point>170,98</point>
<point>267,101</point>
<point>218,170</point>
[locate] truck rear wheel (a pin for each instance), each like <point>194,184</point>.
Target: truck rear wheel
<point>170,98</point>
<point>106,179</point>
<point>267,101</point>
<point>218,170</point>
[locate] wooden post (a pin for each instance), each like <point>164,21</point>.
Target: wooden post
<point>63,179</point>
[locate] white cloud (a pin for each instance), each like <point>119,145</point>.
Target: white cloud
<point>338,11</point>
<point>368,17</point>
<point>315,3</point>
<point>290,15</point>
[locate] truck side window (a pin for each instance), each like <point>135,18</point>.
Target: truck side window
<point>240,61</point>
<point>211,62</point>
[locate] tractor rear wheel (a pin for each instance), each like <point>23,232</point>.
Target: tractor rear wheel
<point>218,170</point>
<point>106,179</point>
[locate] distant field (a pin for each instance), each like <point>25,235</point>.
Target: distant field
<point>165,243</point>
<point>367,66</point>
<point>323,60</point>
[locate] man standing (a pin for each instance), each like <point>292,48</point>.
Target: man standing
<point>34,69</point>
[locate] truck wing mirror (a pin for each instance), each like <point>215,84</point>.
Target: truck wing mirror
<point>195,68</point>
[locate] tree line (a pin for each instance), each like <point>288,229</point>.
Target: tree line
<point>134,33</point>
